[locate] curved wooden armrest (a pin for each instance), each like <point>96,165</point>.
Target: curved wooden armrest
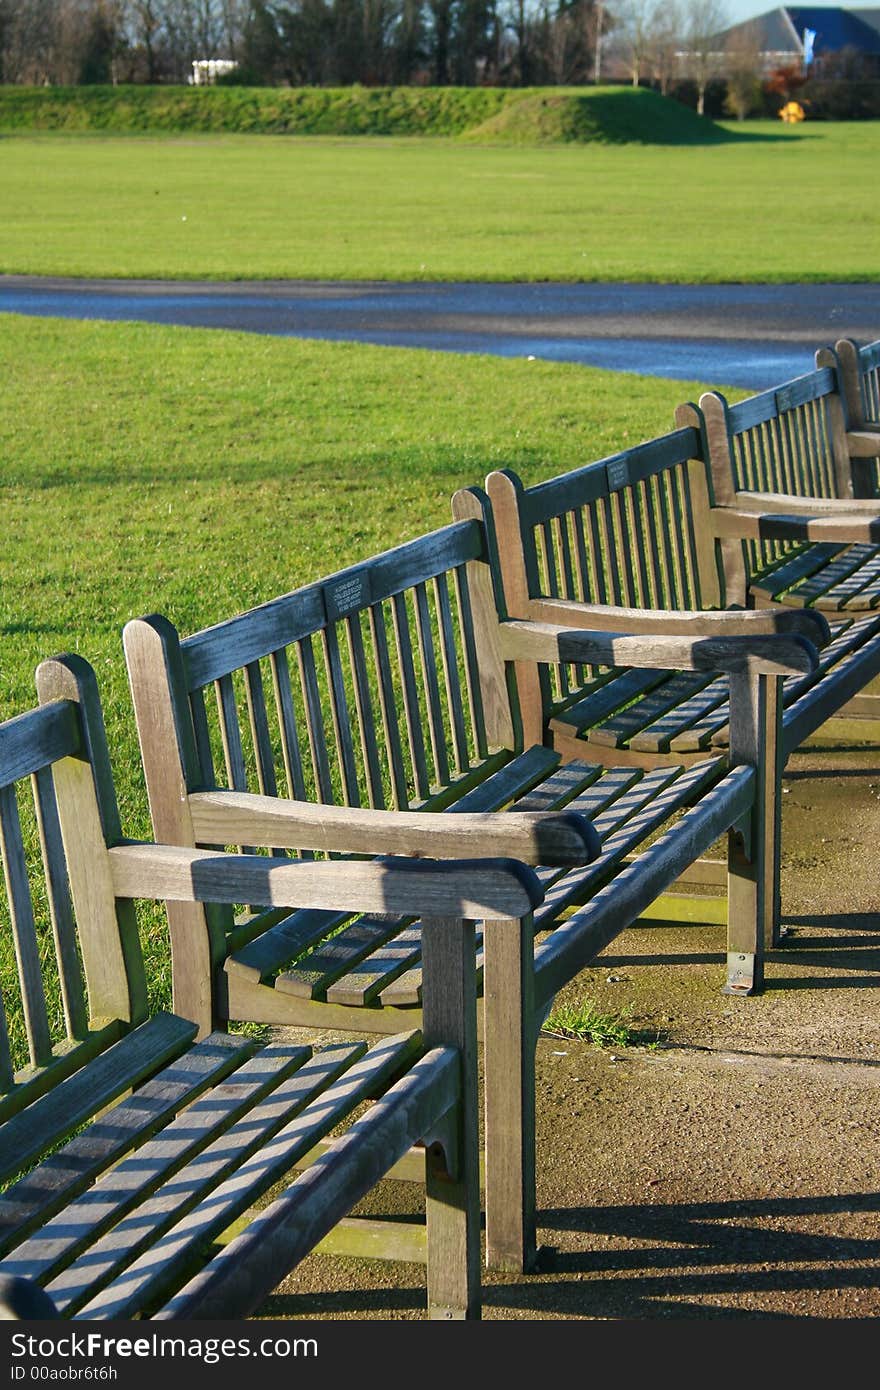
<point>846,529</point>
<point>864,443</point>
<point>538,837</point>
<point>469,888</point>
<point>735,622</point>
<point>762,655</point>
<point>858,507</point>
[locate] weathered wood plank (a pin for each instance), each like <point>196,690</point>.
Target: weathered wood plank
<point>25,1137</point>
<point>236,1170</point>
<point>24,931</point>
<point>58,891</point>
<point>54,1186</point>
<point>579,939</point>
<point>240,1277</point>
<point>621,728</point>
<point>658,736</point>
<point>37,739</point>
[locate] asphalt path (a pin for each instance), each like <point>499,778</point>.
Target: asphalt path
<point>751,336</point>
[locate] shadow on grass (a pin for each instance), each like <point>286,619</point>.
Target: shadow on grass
<point>644,118</point>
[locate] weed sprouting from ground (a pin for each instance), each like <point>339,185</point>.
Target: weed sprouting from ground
<point>615,1028</point>
<point>588,1023</point>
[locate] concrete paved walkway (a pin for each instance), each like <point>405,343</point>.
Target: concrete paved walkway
<point>737,335</point>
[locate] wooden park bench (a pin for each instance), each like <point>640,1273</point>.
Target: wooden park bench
<point>372,712</point>
<point>797,523</point>
<point>129,1144</point>
<point>792,491</point>
<point>646,530</point>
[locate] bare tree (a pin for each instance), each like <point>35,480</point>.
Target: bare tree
<point>634,28</point>
<point>742,70</point>
<point>666,33</point>
<point>704,22</point>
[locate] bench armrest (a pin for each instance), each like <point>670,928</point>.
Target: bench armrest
<point>846,528</point>
<point>783,502</point>
<point>864,443</point>
<point>470,889</point>
<point>738,622</point>
<point>757,656</point>
<point>246,818</point>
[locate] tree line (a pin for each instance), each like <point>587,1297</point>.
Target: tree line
<point>337,42</point>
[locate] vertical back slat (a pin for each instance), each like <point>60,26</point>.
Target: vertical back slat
<point>314,720</point>
<point>671,596</point>
<point>230,729</point>
<point>364,706</point>
<point>24,930</point>
<point>202,734</point>
<point>471,662</point>
<point>634,539</point>
<point>432,687</point>
<point>58,888</point>
<point>451,678</point>
<point>388,707</point>
<point>585,587</point>
<point>412,713</point>
<point>686,588</point>
<point>287,722</point>
<point>599,573</point>
<point>256,702</point>
<point>341,718</point>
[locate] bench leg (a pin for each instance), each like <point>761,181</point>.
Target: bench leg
<point>770,849</point>
<point>754,713</point>
<point>452,1178</point>
<point>510,1038</point>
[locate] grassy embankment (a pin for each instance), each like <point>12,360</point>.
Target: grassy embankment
<point>608,185</point>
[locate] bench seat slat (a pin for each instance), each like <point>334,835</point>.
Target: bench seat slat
<point>188,1120</point>
<point>393,976</point>
<point>25,1136</point>
<point>59,1178</point>
<point>333,958</point>
<point>647,816</point>
<point>617,731</point>
<point>292,1225</point>
<point>611,696</point>
<point>362,984</point>
<point>658,736</point>
<point>582,936</point>
<point>850,637</point>
<point>614,800</point>
<point>861,590</point>
<point>273,948</point>
<point>804,564</point>
<point>847,679</point>
<point>810,590</point>
<point>254,1154</point>
<point>273,1099</point>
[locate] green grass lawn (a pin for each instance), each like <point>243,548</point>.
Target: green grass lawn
<point>198,473</point>
<point>795,205</point>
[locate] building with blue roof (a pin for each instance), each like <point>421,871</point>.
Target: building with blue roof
<point>814,36</point>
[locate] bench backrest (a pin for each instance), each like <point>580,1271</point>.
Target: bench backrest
<point>859,371</point>
<point>629,530</point>
<point>789,440</point>
<point>71,969</point>
<point>364,688</point>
